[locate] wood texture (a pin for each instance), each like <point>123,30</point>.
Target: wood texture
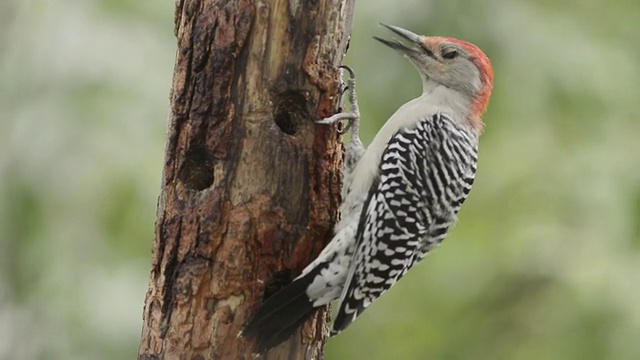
<point>251,185</point>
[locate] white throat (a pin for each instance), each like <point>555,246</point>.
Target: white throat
<point>447,100</point>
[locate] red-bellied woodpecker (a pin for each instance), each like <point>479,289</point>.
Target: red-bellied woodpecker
<point>401,194</point>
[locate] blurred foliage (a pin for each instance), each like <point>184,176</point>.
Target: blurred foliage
<point>544,264</point>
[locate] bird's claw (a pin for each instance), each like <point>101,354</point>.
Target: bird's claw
<point>352,117</point>
<point>349,117</point>
<point>352,74</point>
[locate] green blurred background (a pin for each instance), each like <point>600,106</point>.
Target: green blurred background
<point>544,264</point>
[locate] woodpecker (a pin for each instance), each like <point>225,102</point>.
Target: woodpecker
<point>401,194</point>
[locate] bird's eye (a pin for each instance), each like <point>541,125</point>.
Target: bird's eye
<point>449,54</point>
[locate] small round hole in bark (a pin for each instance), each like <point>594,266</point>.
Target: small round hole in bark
<point>290,111</point>
<point>277,282</point>
<point>284,122</point>
<point>196,172</point>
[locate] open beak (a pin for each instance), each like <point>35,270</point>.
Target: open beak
<point>396,44</point>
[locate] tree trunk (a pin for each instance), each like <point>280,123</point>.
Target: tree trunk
<point>251,185</point>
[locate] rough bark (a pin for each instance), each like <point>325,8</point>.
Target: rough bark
<point>250,185</point>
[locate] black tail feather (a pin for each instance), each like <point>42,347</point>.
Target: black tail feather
<point>280,315</point>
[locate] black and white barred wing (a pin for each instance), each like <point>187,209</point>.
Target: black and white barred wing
<point>426,173</point>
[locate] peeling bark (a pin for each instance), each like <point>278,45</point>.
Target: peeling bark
<point>251,185</point>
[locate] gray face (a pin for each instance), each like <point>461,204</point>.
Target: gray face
<point>438,60</point>
<point>446,63</point>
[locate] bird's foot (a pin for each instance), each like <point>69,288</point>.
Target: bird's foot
<point>353,117</point>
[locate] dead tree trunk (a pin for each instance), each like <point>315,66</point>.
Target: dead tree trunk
<point>250,185</point>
